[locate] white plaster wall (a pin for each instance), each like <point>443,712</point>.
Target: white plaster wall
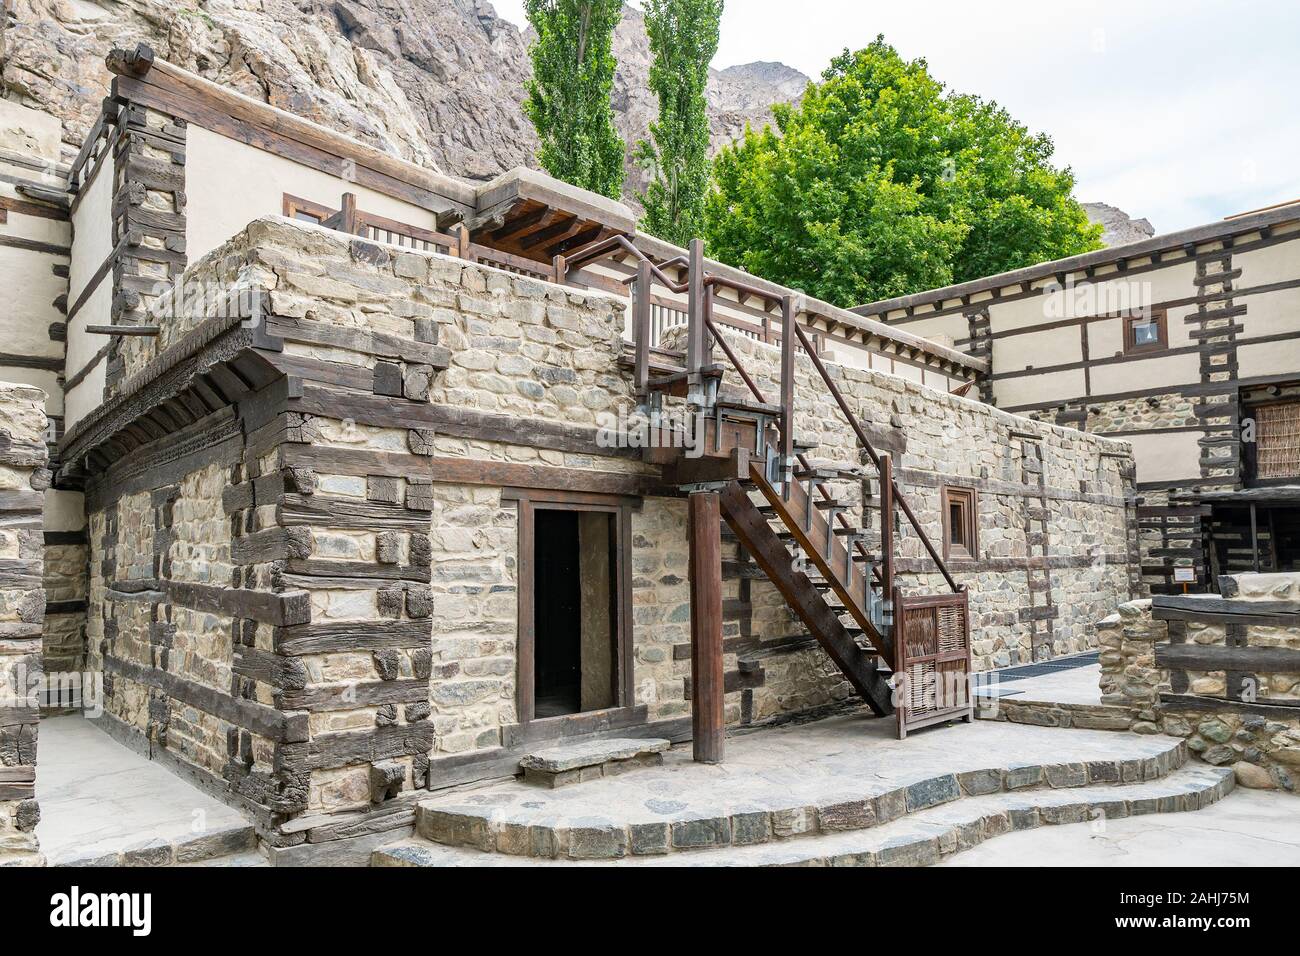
<point>228,184</point>
<point>1155,372</point>
<point>1172,456</point>
<point>1269,358</point>
<point>1276,263</point>
<point>1035,389</point>
<point>92,225</point>
<point>1271,313</point>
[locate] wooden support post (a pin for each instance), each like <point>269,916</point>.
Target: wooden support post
<point>561,267</point>
<point>695,333</point>
<point>348,214</point>
<point>462,242</point>
<point>1254,537</point>
<point>887,526</point>
<point>707,727</point>
<point>641,328</point>
<point>787,391</point>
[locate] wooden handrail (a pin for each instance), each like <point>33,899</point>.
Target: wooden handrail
<point>758,396</point>
<point>699,286</point>
<point>871,453</point>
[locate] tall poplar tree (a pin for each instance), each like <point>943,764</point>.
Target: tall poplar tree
<point>683,39</point>
<point>568,95</point>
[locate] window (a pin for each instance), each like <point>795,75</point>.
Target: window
<point>574,604</point>
<point>1146,332</point>
<point>959,525</point>
<point>305,210</point>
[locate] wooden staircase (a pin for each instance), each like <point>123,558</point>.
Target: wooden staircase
<point>752,474</point>
<point>864,666</point>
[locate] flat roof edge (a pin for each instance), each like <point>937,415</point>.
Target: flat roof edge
<point>1173,240</point>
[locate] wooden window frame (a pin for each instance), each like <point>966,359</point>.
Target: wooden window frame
<point>1250,450</point>
<point>291,205</point>
<point>1161,318</point>
<point>624,712</point>
<point>967,500</point>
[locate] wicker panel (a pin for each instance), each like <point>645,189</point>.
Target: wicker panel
<point>919,632</point>
<point>1277,432</point>
<point>920,684</point>
<point>952,629</point>
<point>933,658</point>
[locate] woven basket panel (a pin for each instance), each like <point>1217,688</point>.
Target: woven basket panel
<point>952,629</point>
<point>1278,437</point>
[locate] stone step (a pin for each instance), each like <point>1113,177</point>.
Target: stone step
<point>205,849</point>
<point>918,839</point>
<point>658,812</point>
<point>591,760</point>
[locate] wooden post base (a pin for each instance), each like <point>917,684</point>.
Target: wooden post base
<point>708,728</point>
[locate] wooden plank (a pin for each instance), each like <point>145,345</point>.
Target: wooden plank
<point>470,471</point>
<point>1218,657</point>
<point>1212,605</point>
<point>707,722</point>
<point>333,636</point>
<point>259,718</point>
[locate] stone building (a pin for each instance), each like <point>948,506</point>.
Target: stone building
<point>1185,343</point>
<point>364,505</point>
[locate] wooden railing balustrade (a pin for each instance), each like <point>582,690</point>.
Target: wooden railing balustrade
<point>703,333</point>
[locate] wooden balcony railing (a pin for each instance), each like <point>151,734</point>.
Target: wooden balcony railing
<point>704,332</point>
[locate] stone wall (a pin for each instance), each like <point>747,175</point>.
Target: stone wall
<point>1257,734</point>
<point>23,481</point>
<point>1056,534</point>
<point>311,597</point>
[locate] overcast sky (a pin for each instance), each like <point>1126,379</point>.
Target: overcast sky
<point>1181,111</point>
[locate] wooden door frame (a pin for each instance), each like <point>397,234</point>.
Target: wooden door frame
<point>530,501</point>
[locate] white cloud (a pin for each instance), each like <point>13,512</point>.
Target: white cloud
<point>1182,111</point>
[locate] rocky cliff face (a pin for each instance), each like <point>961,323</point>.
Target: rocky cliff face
<point>1118,227</point>
<point>438,82</point>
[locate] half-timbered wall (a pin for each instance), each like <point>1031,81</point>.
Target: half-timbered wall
<point>23,480</point>
<point>1230,297</point>
<point>35,259</point>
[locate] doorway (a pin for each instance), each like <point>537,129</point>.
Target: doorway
<point>573,614</point>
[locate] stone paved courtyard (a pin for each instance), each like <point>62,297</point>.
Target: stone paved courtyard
<point>1246,828</point>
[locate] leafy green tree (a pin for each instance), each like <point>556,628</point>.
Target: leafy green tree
<point>879,184</point>
<point>568,95</point>
<point>683,39</point>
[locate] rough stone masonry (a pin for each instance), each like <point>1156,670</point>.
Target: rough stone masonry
<point>23,480</point>
<point>307,594</point>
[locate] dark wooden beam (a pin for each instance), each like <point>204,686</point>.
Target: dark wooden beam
<point>707,681</point>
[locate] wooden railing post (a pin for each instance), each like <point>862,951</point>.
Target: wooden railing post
<point>887,534</point>
<point>641,328</point>
<point>786,450</point>
<point>348,214</point>
<point>707,684</point>
<point>561,268</point>
<point>695,313</point>
<point>462,242</point>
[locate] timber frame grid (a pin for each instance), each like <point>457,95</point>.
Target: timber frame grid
<point>531,500</point>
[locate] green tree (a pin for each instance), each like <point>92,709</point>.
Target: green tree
<point>683,39</point>
<point>568,95</point>
<point>881,184</point>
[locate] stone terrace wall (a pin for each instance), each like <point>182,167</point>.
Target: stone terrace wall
<point>23,480</point>
<point>1262,744</point>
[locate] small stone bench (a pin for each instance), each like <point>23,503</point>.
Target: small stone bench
<point>590,760</point>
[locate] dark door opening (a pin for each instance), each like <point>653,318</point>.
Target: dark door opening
<point>575,618</point>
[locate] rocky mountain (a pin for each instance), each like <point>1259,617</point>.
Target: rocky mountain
<point>438,82</point>
<point>1119,228</point>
